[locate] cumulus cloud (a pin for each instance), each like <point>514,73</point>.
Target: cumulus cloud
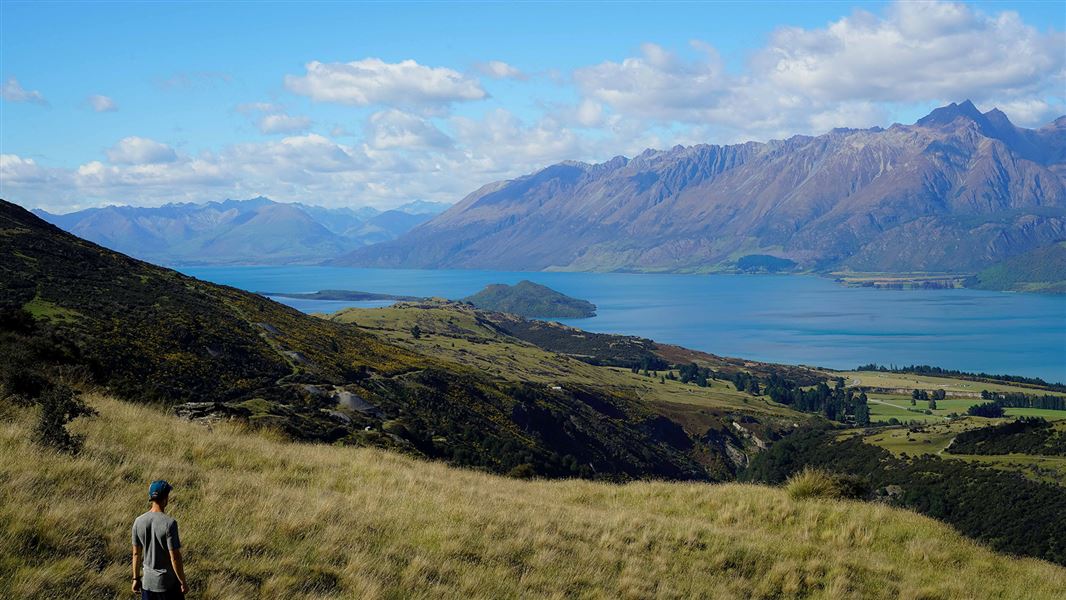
<point>16,169</point>
<point>497,69</point>
<point>282,123</point>
<point>135,150</point>
<point>918,51</point>
<point>274,119</point>
<point>12,91</point>
<point>396,129</point>
<point>658,84</point>
<point>501,142</point>
<point>101,103</point>
<point>374,81</point>
<point>1028,111</point>
<point>845,74</point>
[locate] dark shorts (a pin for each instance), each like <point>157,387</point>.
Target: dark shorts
<point>171,595</point>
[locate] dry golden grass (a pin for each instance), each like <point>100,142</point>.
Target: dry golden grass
<point>268,519</point>
<point>453,334</point>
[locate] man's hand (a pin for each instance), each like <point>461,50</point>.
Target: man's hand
<point>136,585</point>
<point>184,587</point>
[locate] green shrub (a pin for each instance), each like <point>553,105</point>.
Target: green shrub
<point>60,404</point>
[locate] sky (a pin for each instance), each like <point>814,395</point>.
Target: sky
<point>379,104</point>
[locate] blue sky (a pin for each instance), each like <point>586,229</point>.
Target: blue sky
<point>145,103</point>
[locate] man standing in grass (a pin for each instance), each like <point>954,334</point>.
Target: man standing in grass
<point>156,535</point>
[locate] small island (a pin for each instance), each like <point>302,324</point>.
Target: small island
<point>343,295</point>
<point>531,300</point>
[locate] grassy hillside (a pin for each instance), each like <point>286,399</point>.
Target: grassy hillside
<point>936,438</point>
<point>453,331</point>
<point>1040,270</point>
<point>262,518</point>
<point>890,396</point>
<point>702,422</point>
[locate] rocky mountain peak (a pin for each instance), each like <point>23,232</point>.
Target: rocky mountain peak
<point>946,115</point>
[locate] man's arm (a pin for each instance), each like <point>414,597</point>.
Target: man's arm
<point>179,569</point>
<point>136,569</point>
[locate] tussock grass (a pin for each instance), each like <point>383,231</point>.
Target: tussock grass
<point>268,519</point>
<point>816,483</point>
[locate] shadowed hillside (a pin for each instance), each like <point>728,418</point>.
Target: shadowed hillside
<point>1040,270</point>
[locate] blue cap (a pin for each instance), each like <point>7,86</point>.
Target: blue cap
<point>159,489</point>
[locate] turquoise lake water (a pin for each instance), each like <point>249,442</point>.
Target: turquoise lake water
<point>785,319</point>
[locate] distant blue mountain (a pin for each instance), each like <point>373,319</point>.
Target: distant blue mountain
<point>424,207</point>
<point>254,231</point>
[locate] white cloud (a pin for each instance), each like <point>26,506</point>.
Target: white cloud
<point>657,84</point>
<point>304,154</point>
<point>102,103</point>
<point>16,169</point>
<point>282,123</point>
<point>274,119</point>
<point>919,51</point>
<point>497,69</point>
<point>12,91</point>
<point>135,150</point>
<point>148,179</point>
<point>1030,111</point>
<point>396,129</point>
<point>502,143</point>
<point>845,74</point>
<point>373,81</point>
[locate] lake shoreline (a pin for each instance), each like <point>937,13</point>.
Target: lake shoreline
<point>783,319</point>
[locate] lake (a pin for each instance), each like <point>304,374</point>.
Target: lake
<point>791,319</point>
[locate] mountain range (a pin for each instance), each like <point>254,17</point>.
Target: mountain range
<point>956,191</point>
<point>255,231</point>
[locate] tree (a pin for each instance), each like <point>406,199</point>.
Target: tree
<point>753,386</point>
<point>932,403</point>
<point>989,410</point>
<point>60,404</point>
<point>416,332</point>
<point>862,410</point>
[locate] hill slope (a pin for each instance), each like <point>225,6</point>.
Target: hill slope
<point>528,299</point>
<point>360,523</point>
<point>153,335</point>
<point>1039,270</point>
<point>954,192</point>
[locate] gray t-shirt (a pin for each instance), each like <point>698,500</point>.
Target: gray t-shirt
<point>157,534</point>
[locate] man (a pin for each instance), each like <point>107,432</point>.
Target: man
<point>156,535</point>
